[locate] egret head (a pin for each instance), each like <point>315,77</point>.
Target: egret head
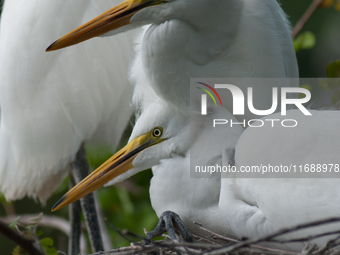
<point>131,14</point>
<point>152,139</point>
<point>114,21</point>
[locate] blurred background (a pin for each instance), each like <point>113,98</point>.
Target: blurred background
<point>127,205</point>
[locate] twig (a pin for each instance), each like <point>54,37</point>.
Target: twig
<point>329,245</point>
<point>271,238</point>
<point>216,248</point>
<point>128,250</point>
<point>304,19</point>
<point>217,235</point>
<point>26,244</point>
<point>157,245</point>
<point>309,249</point>
<point>124,233</point>
<point>184,248</point>
<point>48,221</point>
<point>254,246</point>
<point>206,239</point>
<point>308,238</point>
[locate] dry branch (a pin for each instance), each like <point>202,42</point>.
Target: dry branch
<point>304,19</point>
<point>48,221</point>
<point>209,246</point>
<point>26,244</point>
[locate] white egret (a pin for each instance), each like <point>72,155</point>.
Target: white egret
<point>188,39</point>
<point>201,38</point>
<point>239,207</point>
<point>52,103</point>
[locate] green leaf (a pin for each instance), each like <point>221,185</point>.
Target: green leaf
<point>3,199</point>
<point>37,219</point>
<point>47,245</point>
<point>304,41</point>
<point>333,69</point>
<point>14,223</point>
<point>18,251</point>
<point>51,251</point>
<point>39,233</point>
<point>46,241</point>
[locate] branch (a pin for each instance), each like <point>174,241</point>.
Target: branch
<point>271,238</point>
<point>329,245</point>
<point>304,19</point>
<point>26,244</point>
<point>206,247</point>
<point>236,241</point>
<point>48,221</point>
<point>124,233</point>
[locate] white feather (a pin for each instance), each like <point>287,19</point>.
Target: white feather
<point>52,102</point>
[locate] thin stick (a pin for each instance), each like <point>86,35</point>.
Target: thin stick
<point>271,238</point>
<point>304,19</point>
<point>48,221</point>
<point>26,244</point>
<point>254,246</point>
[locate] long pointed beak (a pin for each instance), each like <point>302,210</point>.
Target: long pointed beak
<point>112,19</point>
<point>113,167</point>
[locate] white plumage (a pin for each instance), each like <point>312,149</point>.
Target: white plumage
<point>242,207</point>
<point>198,39</point>
<point>53,102</point>
<point>213,38</point>
<point>235,207</point>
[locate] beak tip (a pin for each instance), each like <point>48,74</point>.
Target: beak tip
<point>56,205</point>
<point>51,47</point>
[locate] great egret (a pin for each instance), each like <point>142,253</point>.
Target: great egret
<point>195,38</point>
<point>205,38</point>
<point>52,103</point>
<point>240,207</point>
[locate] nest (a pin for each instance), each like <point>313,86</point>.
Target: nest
<point>216,244</point>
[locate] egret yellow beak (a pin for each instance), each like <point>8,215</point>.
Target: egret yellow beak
<point>113,167</point>
<point>114,18</point>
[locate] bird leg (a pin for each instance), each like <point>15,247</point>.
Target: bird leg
<point>171,223</point>
<point>75,216</point>
<point>80,171</point>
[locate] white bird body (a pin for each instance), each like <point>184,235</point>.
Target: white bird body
<point>235,39</point>
<point>235,207</point>
<point>52,103</point>
<point>250,207</point>
<point>239,39</point>
<point>214,39</point>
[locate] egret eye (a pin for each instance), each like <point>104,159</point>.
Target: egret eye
<point>157,132</point>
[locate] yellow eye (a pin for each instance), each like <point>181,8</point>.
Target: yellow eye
<point>157,132</point>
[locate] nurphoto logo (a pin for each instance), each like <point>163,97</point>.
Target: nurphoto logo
<point>239,104</point>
